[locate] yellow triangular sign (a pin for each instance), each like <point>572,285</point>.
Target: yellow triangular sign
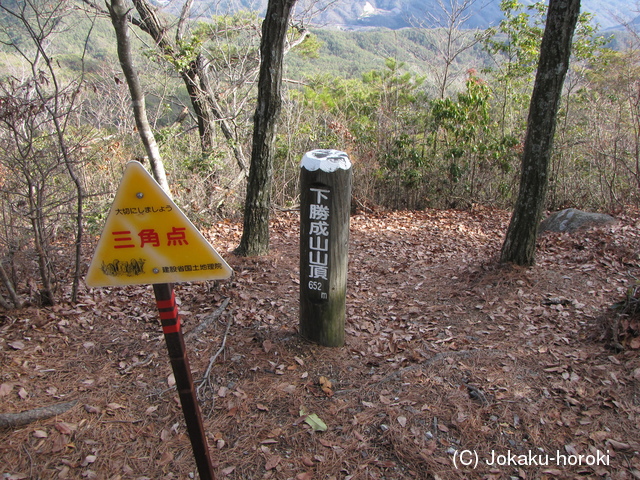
<point>147,239</point>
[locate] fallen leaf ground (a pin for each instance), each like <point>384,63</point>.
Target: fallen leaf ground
<point>450,360</point>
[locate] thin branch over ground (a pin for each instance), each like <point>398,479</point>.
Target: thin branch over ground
<point>11,420</point>
<point>207,321</point>
<point>205,383</point>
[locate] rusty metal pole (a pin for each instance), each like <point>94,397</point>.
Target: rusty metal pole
<point>170,318</point>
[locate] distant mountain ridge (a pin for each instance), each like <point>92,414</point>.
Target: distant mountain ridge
<point>395,14</point>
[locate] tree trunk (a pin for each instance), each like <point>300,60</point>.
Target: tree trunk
<point>200,91</point>
<point>150,23</point>
<point>520,242</point>
<point>8,284</point>
<point>209,97</point>
<point>120,20</point>
<point>79,210</point>
<point>40,244</point>
<point>255,235</point>
<point>204,116</point>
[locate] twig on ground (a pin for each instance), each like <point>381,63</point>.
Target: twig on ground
<point>26,450</point>
<point>396,374</point>
<point>476,394</point>
<point>206,380</point>
<point>208,320</point>
<point>23,418</point>
<point>121,421</point>
<point>429,361</point>
<point>142,363</point>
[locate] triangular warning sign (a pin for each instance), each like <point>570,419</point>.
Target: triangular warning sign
<point>147,239</point>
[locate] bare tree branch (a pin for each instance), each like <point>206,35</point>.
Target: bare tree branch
<point>11,420</point>
<point>120,20</point>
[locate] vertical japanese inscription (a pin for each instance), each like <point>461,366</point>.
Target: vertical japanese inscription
<point>318,234</point>
<point>325,195</point>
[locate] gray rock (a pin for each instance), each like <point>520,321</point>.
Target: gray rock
<point>571,219</point>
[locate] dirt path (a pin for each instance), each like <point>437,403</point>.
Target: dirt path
<point>449,358</point>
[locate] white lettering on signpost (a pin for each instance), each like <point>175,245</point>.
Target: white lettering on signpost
<point>319,241</point>
<point>320,195</point>
<point>319,212</point>
<point>315,243</point>
<point>319,228</point>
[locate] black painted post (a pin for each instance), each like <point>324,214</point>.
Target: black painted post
<point>166,301</point>
<point>325,204</point>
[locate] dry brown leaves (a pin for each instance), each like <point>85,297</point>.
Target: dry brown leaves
<point>450,358</point>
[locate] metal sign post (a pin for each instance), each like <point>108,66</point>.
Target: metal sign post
<point>148,240</point>
<point>170,318</point>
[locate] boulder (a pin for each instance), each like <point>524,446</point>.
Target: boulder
<point>571,219</point>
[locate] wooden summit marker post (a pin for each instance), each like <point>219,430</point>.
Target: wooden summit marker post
<point>325,203</point>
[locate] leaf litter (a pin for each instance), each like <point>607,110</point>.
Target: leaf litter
<point>446,351</point>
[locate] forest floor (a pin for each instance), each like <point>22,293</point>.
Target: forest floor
<point>454,366</point>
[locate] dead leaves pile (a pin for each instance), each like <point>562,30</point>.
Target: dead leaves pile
<point>446,352</point>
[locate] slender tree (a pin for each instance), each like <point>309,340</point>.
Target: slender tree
<point>514,47</point>
<point>520,242</point>
<point>192,65</point>
<point>38,113</point>
<point>119,13</point>
<point>255,236</point>
<point>219,75</point>
<point>450,40</point>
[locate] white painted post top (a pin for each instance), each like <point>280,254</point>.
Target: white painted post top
<point>326,160</point>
